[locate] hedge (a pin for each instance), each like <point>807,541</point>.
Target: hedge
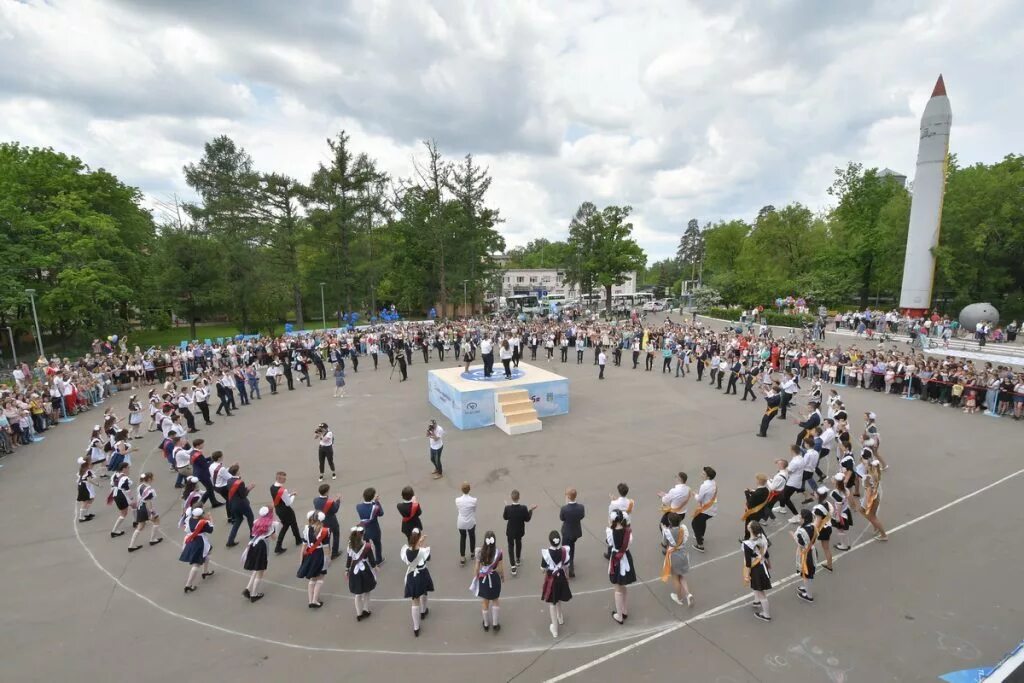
<point>772,318</point>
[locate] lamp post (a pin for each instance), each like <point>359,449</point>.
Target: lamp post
<point>39,337</point>
<point>464,305</point>
<point>323,310</point>
<point>14,351</point>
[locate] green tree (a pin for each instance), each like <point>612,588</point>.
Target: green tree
<point>78,237</point>
<point>226,183</point>
<point>277,204</point>
<point>605,252</point>
<point>857,225</point>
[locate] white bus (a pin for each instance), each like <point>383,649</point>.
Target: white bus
<point>524,303</point>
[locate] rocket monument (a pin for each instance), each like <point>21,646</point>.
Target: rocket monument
<point>926,203</point>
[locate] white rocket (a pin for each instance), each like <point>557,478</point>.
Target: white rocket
<point>926,203</point>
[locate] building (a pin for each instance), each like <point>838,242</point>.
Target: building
<point>551,282</point>
<point>896,176</point>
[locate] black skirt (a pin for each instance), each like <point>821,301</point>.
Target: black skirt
<point>825,533</point>
<point>624,579</point>
<point>418,584</point>
<point>760,580</point>
<point>489,588</point>
<point>313,565</point>
<point>256,557</point>
<point>83,493</point>
<point>556,589</point>
<point>142,514</point>
<point>363,582</point>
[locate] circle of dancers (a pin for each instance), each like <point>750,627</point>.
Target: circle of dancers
<point>829,500</point>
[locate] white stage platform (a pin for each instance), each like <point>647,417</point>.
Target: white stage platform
<point>467,399</point>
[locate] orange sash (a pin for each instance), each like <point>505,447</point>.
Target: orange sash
<point>666,567</point>
<point>701,509</point>
<point>279,496</point>
<point>233,489</point>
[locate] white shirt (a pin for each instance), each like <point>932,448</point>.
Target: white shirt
<point>602,358</point>
<point>789,386</point>
<point>485,346</point>
<point>707,492</point>
<point>621,503</point>
<point>327,439</point>
<point>796,472</point>
<point>437,441</point>
<point>677,497</point>
<point>811,458</point>
<point>287,497</point>
<point>466,505</point>
<point>828,437</point>
<point>778,482</point>
<point>182,457</point>
<point>221,475</point>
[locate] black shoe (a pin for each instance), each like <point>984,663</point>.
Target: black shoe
<point>246,593</point>
<point>189,589</point>
<point>279,551</point>
<point>256,597</point>
<point>157,541</point>
<point>133,549</point>
<point>416,632</point>
<point>88,517</point>
<point>497,627</point>
<point>231,544</point>
<point>115,534</point>
<point>486,626</point>
<point>209,573</point>
<point>761,435</point>
<point>698,548</point>
<point>425,613</point>
<point>762,617</point>
<point>316,605</point>
<point>805,597</point>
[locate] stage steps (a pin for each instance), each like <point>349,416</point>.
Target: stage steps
<point>514,412</point>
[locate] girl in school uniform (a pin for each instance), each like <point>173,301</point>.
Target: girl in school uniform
<point>756,564</point>
<point>489,574</point>
<point>195,550</point>
<point>555,591</point>
<point>95,454</point>
<point>256,552</point>
<point>120,496</point>
<point>872,497</point>
<point>315,556</point>
<point>805,561</point>
<point>190,498</point>
<point>145,512</point>
<point>134,417</point>
<point>86,492</point>
<point>360,570</point>
<point>418,583</point>
<point>842,516</point>
<point>619,536</point>
<point>822,512</point>
<point>677,561</point>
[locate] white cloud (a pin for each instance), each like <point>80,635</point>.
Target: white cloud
<point>680,109</point>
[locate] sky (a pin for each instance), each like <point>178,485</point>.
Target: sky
<point>682,110</point>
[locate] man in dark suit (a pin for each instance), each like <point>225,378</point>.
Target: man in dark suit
<point>516,515</point>
<point>571,514</point>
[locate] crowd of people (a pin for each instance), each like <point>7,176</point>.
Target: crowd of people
<point>182,382</point>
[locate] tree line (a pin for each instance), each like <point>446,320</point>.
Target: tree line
<point>254,247</point>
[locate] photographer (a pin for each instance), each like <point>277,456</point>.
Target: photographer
<point>325,452</point>
<point>435,438</point>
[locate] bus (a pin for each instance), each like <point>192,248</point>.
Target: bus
<point>524,303</point>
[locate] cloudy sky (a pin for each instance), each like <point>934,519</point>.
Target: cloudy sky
<point>680,109</point>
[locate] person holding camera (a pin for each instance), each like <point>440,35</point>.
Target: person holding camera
<point>435,438</point>
<point>325,452</point>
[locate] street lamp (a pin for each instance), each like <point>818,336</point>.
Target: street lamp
<point>323,311</point>
<point>464,305</point>
<point>14,351</point>
<point>39,337</point>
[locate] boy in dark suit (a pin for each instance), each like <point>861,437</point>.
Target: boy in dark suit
<point>516,515</point>
<point>571,514</point>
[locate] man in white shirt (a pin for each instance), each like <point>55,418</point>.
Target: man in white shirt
<point>675,499</point>
<point>325,451</point>
<point>811,457</point>
<point>707,506</point>
<point>487,355</point>
<point>602,358</point>
<point>466,522</point>
<point>182,461</point>
<point>789,390</point>
<point>794,482</point>
<point>435,438</point>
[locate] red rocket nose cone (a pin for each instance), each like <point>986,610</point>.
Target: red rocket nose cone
<point>940,88</point>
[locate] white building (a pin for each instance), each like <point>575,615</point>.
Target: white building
<point>552,281</point>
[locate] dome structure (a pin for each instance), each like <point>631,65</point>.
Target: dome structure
<point>973,314</point>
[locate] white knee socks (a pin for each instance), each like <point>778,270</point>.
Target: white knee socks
<point>358,599</point>
<point>494,614</point>
<point>423,603</point>
<point>135,535</point>
<point>416,617</point>
<point>553,610</point>
<point>487,616</point>
<point>192,572</point>
<point>117,524</point>
<point>156,532</point>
